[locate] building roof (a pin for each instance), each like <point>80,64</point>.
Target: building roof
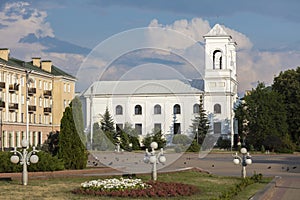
<point>145,87</point>
<point>217,30</point>
<point>55,71</point>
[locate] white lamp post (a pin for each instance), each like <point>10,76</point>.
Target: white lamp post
<point>154,159</point>
<point>244,160</point>
<point>25,159</point>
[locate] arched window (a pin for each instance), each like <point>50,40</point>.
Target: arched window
<point>119,110</point>
<point>157,109</point>
<point>138,110</point>
<point>176,109</point>
<point>217,109</point>
<point>196,108</point>
<point>217,59</point>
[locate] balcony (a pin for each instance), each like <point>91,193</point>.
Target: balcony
<point>47,110</point>
<point>13,88</point>
<point>2,85</point>
<point>47,93</point>
<point>31,109</point>
<point>31,91</point>
<point>13,107</point>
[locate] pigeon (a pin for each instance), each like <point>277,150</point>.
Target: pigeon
<point>269,167</point>
<point>213,165</point>
<point>295,167</point>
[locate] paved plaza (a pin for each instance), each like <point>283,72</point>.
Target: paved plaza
<point>285,167</point>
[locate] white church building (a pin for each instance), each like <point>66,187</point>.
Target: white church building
<point>170,105</point>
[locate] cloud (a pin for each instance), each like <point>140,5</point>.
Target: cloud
<point>252,65</point>
<point>26,32</point>
<point>206,8</point>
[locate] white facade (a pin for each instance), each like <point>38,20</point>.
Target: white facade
<point>219,89</point>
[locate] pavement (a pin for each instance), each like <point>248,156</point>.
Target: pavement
<point>285,169</point>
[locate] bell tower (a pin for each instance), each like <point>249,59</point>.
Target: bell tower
<point>220,80</point>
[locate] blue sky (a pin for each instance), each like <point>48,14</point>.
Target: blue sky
<point>66,30</point>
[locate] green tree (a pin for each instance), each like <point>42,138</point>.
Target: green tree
<point>200,124</point>
<point>78,118</point>
<point>100,140</point>
<point>71,149</point>
<point>133,136</point>
<point>107,125</point>
<point>263,111</point>
<point>51,144</point>
<point>155,136</point>
<point>287,83</point>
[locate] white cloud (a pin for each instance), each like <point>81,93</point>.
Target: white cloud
<point>252,66</point>
<point>19,19</point>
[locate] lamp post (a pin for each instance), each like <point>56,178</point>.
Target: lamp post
<point>28,81</point>
<point>154,159</point>
<point>25,159</point>
<point>244,160</point>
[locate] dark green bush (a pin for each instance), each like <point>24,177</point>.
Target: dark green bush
<point>46,163</point>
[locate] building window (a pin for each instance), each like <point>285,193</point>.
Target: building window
<point>217,128</point>
<point>119,128</point>
<point>69,88</point>
<point>177,128</point>
<point>40,84</point>
<point>176,109</point>
<point>217,109</point>
<point>138,129</point>
<point>119,110</point>
<point>39,142</point>
<point>138,110</point>
<point>157,127</point>
<point>196,108</point>
<point>157,109</point>
<point>65,87</point>
<point>217,59</point>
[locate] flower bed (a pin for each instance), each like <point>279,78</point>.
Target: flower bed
<point>135,188</point>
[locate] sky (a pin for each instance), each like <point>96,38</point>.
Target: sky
<point>72,33</point>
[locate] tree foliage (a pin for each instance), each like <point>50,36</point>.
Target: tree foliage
<point>288,84</point>
<point>129,138</point>
<point>200,124</point>
<point>101,139</point>
<point>51,144</point>
<point>155,136</point>
<point>263,118</point>
<point>71,148</point>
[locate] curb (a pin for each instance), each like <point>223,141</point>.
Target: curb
<point>267,192</point>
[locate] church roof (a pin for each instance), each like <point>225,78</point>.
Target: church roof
<point>145,87</point>
<point>217,30</point>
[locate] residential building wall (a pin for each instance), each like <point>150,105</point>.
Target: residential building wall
<point>45,99</point>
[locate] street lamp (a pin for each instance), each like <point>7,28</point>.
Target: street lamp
<point>28,81</point>
<point>25,159</point>
<point>154,159</point>
<point>244,160</point>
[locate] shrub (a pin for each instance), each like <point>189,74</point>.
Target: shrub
<point>181,139</point>
<point>46,163</point>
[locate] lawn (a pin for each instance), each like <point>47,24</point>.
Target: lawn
<point>211,186</point>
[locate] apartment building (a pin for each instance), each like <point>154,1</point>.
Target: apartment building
<point>49,92</point>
